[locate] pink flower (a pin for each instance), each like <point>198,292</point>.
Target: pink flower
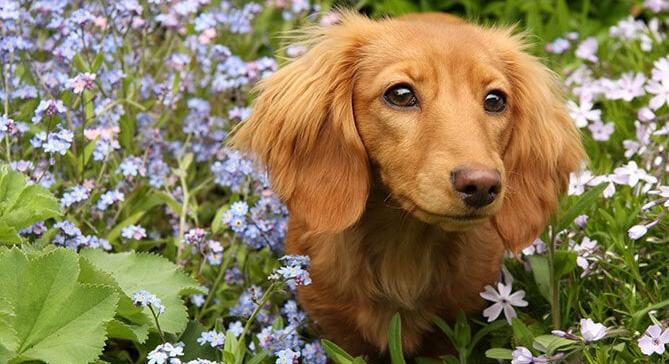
<point>654,340</point>
<point>83,81</point>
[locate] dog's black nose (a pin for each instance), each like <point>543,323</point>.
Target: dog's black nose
<point>478,186</point>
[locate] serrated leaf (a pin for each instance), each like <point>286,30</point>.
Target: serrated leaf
<point>132,332</point>
<point>22,205</point>
<point>56,319</point>
<point>136,271</point>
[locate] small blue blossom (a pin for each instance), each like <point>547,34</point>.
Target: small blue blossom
<point>214,338</point>
<point>109,198</point>
<point>134,232</point>
<point>197,300</point>
<point>145,299</point>
<point>49,108</point>
<point>73,195</point>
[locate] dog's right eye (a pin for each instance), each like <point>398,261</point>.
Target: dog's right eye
<point>401,95</point>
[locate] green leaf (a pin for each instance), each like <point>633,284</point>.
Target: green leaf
<point>132,332</point>
<point>522,335</point>
<point>550,343</point>
<point>565,262</point>
<point>584,201</point>
<point>480,334</point>
<point>395,340</point>
<point>135,271</point>
<point>541,273</point>
<point>8,235</point>
<point>55,318</point>
<point>499,354</point>
<point>80,64</point>
<point>334,352</point>
<point>97,62</point>
<point>463,333</point>
<point>445,328</point>
<point>22,205</point>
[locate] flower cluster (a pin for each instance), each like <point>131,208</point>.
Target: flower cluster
<point>147,299</point>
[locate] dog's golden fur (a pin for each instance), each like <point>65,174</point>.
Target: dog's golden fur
<point>368,185</point>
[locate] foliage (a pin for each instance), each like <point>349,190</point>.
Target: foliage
<point>114,117</point>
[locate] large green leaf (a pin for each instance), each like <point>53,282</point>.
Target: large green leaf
<point>133,272</point>
<point>53,317</point>
<point>22,205</point>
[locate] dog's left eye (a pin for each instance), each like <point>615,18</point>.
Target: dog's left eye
<point>401,95</point>
<point>494,102</point>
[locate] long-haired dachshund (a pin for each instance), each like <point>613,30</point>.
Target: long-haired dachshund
<point>411,153</point>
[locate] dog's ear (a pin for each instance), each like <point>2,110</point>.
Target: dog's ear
<point>544,147</point>
<point>303,129</point>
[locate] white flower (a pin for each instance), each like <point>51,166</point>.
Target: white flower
<point>660,90</point>
<point>521,356</point>
<point>504,300</point>
<point>637,231</point>
<point>653,340</point>
<point>583,112</point>
<point>592,331</point>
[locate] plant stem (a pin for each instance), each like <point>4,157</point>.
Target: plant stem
<point>262,302</point>
<point>219,278</point>
<point>160,331</point>
<point>555,283</point>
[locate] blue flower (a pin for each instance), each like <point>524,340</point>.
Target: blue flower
<point>145,298</point>
<point>135,232</point>
<point>108,198</point>
<point>73,195</point>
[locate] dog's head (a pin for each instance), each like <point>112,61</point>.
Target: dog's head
<point>459,123</point>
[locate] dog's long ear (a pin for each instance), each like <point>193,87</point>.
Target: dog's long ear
<point>544,146</point>
<point>302,127</point>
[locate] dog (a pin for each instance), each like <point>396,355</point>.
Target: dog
<point>411,153</point>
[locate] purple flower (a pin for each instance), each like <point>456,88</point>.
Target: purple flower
<point>521,356</point>
<point>592,331</point>
<point>49,108</point>
<point>654,340</point>
<point>74,195</point>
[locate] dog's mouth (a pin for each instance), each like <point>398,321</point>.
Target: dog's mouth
<point>463,217</point>
<point>444,219</point>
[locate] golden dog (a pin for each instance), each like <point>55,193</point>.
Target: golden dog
<point>411,153</point>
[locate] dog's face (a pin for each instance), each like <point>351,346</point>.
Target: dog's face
<point>459,124</point>
<point>435,120</point>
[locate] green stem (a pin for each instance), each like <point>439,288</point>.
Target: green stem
<point>262,302</point>
<point>555,283</point>
<point>217,282</point>
<point>160,331</point>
